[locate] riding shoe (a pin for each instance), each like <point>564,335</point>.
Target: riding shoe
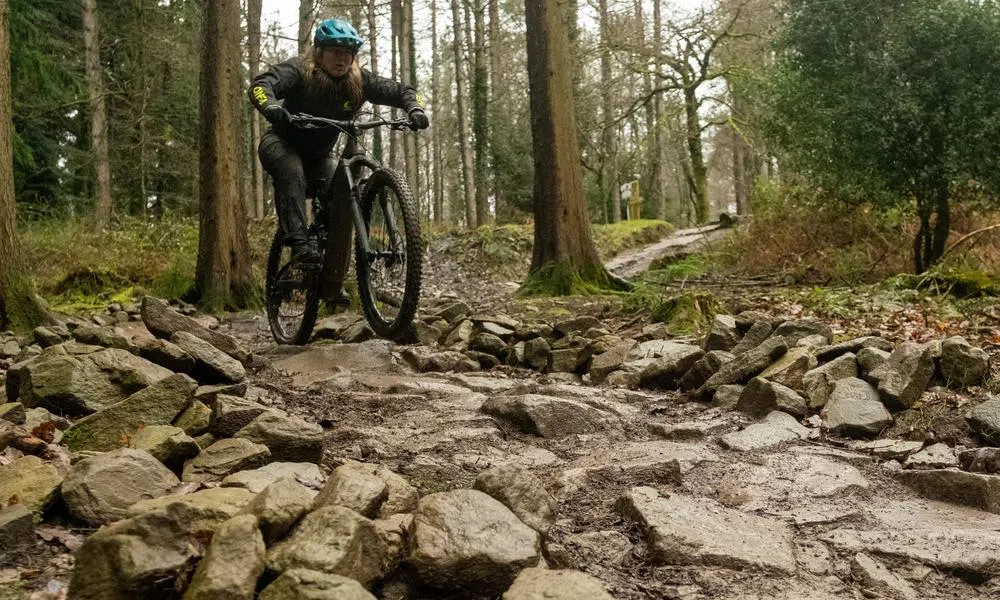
<point>305,253</point>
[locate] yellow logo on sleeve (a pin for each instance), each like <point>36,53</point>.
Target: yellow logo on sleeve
<point>260,96</point>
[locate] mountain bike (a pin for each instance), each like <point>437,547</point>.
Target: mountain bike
<point>387,244</point>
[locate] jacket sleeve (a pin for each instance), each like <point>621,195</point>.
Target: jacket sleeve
<point>386,92</point>
<point>274,84</point>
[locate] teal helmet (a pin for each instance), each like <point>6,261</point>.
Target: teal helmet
<point>337,32</point>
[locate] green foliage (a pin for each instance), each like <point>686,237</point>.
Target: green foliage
<point>692,265</point>
<point>563,279</point>
<point>614,238</point>
<point>950,280</point>
<point>688,313</point>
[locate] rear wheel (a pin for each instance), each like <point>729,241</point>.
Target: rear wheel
<point>292,296</point>
<point>389,271</point>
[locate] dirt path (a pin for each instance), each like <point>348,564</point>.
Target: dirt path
<point>679,244</point>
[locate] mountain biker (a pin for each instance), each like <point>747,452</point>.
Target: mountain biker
<point>327,82</point>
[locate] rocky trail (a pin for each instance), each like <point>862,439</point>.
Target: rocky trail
<point>146,453</point>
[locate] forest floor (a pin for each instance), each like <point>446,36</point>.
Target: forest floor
<point>652,504</point>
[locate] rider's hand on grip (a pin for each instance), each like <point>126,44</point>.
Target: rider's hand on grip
<point>277,115</point>
<point>418,119</point>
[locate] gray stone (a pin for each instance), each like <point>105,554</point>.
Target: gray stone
<point>828,353</point>
<point>223,458</point>
<point>426,334</point>
<point>454,311</point>
<point>674,362</point>
<point>490,344</point>
<point>727,396</point>
<point>359,332</point>
<point>888,448</point>
<point>790,369</point>
<point>12,412</point>
<point>875,576</point>
<point>935,456</point>
<point>723,335</point>
<point>704,368</point>
<point>100,489</point>
<point>776,428</point>
<point>17,528</point>
<point>208,393</point>
<point>103,336</point>
<point>951,485</point>
<point>466,540</point>
<point>761,396</point>
<point>208,508</point>
<point>577,325</point>
<point>905,375</point>
<point>303,584</point>
<point>520,491</point>
<point>211,365</point>
<point>256,480</point>
<point>536,353</point>
<point>870,359</point>
<point>547,416</point>
<point>854,409</point>
<point>112,427</point>
<point>10,349</point>
<point>164,354</point>
<point>164,322</point>
<point>333,327</point>
<point>402,496</point>
<point>361,492</point>
<point>984,419</point>
<point>46,337</point>
<point>604,364</point>
<point>425,360</point>
<point>34,482</point>
<point>333,540</point>
<point>684,432</point>
<point>168,444</point>
<point>819,383</point>
<point>195,419</point>
<point>564,361</point>
<point>231,414</point>
<point>981,460</point>
<point>796,330</point>
<point>700,531</point>
<point>289,438</point>
<point>963,365</point>
<point>544,584</point>
<point>745,367</point>
<point>279,506</point>
<point>757,333</point>
<point>460,335</point>
<point>234,561</point>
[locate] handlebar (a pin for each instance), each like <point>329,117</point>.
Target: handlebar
<point>305,121</point>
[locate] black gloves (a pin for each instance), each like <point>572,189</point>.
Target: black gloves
<point>276,115</point>
<point>418,119</point>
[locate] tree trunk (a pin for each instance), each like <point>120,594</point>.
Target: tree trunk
<point>98,114</point>
<point>659,177</point>
<point>564,259</point>
<point>394,18</point>
<point>307,15</point>
<point>438,173</point>
<point>223,278</point>
<point>253,60</point>
<point>373,53</point>
<point>469,185</point>
<point>408,67</point>
<point>699,172</point>
<point>502,210</point>
<point>19,308</point>
<point>609,177</point>
<point>480,117</point>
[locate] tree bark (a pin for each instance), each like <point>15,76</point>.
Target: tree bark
<point>699,172</point>
<point>480,116</point>
<point>98,114</point>
<point>253,60</point>
<point>373,54</point>
<point>394,18</point>
<point>307,16</point>
<point>659,178</point>
<point>223,278</point>
<point>503,211</point>
<point>469,185</point>
<point>408,67</point>
<point>19,308</point>
<point>438,173</point>
<point>609,175</point>
<point>564,259</point>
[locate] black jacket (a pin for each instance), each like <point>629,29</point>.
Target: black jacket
<point>286,81</point>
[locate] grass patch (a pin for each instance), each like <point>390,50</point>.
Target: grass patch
<point>670,269</point>
<point>615,238</point>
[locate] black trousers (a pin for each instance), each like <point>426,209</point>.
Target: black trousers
<point>296,176</point>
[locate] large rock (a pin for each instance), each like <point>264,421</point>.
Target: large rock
<point>935,456</point>
<point>700,531</point>
<point>101,488</point>
<point>547,416</point>
<point>108,429</point>
<point>818,383</point>
<point>754,336</point>
<point>776,428</point>
<point>195,419</point>
<point>745,367</point>
<point>520,491</point>
<point>704,368</point>
<point>981,460</point>
<point>148,557</point>
<point>164,354</point>
<point>761,396</point>
<point>402,496</point>
<point>348,487</point>
<point>963,365</point>
<point>164,322</point>
<point>951,485</point>
<point>876,577</point>
<point>223,458</point>
<point>33,482</point>
<point>790,369</point>
<point>828,353</point>
<point>79,384</point>
<point>870,359</point>
<point>279,507</point>
<point>333,540</point>
<point>234,561</point>
<point>232,413</point>
<point>289,438</point>
<point>796,330</point>
<point>17,528</point>
<point>723,335</point>
<point>211,365</point>
<point>303,584</point>
<point>255,480</point>
<point>854,409</point>
<point>209,508</point>
<point>675,360</point>
<point>904,377</point>
<point>544,584</point>
<point>466,540</point>
<point>168,444</point>
<point>984,419</point>
<point>12,412</point>
<point>425,360</point>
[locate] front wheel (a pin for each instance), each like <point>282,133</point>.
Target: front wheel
<point>389,269</point>
<point>292,296</point>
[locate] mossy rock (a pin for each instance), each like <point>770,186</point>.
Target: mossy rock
<point>687,313</point>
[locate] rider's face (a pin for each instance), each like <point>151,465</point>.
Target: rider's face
<point>336,61</point>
